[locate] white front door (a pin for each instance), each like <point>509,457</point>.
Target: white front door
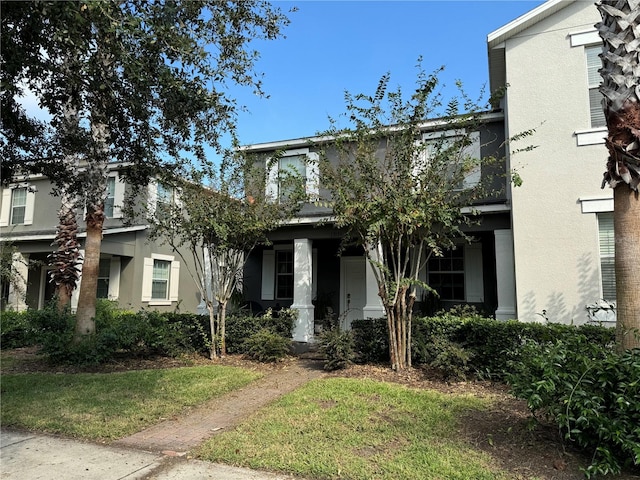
<point>353,294</point>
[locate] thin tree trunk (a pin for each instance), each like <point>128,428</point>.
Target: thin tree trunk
<point>213,350</point>
<point>627,238</point>
<point>222,316</point>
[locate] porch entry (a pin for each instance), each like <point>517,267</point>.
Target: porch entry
<point>353,293</point>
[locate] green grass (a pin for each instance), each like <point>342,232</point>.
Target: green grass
<point>113,405</point>
<point>356,429</point>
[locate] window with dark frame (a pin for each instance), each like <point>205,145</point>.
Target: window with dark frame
<point>284,274</point>
<point>104,271</point>
<point>446,275</point>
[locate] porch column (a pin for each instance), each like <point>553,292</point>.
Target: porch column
<point>18,289</point>
<point>373,307</point>
<point>505,275</point>
<point>303,289</point>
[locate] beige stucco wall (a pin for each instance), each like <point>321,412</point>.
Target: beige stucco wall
<point>556,245</point>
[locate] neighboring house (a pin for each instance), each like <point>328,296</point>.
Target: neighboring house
<point>542,250</point>
<point>561,219</point>
<point>135,272</point>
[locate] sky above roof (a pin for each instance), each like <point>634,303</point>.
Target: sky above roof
<point>337,46</point>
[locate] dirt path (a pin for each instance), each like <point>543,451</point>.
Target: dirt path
<point>178,435</point>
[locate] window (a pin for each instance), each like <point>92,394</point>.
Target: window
<point>446,275</point>
<point>291,169</point>
<point>291,164</point>
<point>463,154</point>
<point>607,256</point>
<point>104,272</point>
<point>284,274</point>
<point>109,201</point>
<point>160,280</point>
<point>595,97</point>
<point>18,205</point>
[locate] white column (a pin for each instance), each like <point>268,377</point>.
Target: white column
<point>303,289</point>
<point>373,307</point>
<point>18,289</point>
<point>505,275</point>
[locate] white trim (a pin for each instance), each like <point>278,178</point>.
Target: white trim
<point>596,204</point>
<point>147,280</point>
<point>591,136</point>
<point>51,236</point>
<point>584,37</point>
<point>5,210</point>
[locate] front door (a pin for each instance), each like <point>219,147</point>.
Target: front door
<point>353,296</point>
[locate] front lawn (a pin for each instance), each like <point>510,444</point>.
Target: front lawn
<point>357,429</point>
<point>114,405</point>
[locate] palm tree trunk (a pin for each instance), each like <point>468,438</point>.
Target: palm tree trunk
<point>620,31</point>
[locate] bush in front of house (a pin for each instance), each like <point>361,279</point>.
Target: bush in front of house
<point>337,348</point>
<point>267,346</point>
<point>469,344</point>
<point>16,330</point>
<point>240,327</point>
<point>592,394</point>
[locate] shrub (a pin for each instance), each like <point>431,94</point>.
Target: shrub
<point>240,328</point>
<point>337,348</point>
<point>371,340</point>
<point>590,392</point>
<point>267,346</point>
<point>16,330</point>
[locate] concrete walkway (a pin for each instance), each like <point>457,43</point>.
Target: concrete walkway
<point>159,452</point>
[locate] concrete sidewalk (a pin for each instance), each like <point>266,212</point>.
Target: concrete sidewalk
<point>26,456</point>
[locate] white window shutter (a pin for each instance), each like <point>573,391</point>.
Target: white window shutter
<point>118,197</point>
<point>474,283</point>
<point>174,281</point>
<point>268,274</point>
<point>114,278</point>
<point>6,207</point>
<point>313,176</point>
<point>152,197</point>
<point>30,207</point>
<point>272,180</point>
<point>147,275</point>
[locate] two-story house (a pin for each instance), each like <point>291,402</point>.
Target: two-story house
<point>561,219</point>
<point>134,271</point>
<point>542,250</point>
<point>302,269</point>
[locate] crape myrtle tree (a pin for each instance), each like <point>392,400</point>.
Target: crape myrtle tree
<point>214,228</point>
<point>620,32</point>
<point>400,195</point>
<point>135,82</point>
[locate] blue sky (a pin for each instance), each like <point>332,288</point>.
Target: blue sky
<point>333,46</point>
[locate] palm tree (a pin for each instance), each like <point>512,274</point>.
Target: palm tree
<point>620,32</point>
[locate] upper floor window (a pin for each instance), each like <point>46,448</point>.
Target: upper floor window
<point>462,151</point>
<point>109,201</point>
<point>291,165</point>
<point>595,97</point>
<point>161,198</point>
<point>18,205</point>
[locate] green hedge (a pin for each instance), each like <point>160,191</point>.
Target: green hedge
<point>142,334</point>
<point>483,346</point>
